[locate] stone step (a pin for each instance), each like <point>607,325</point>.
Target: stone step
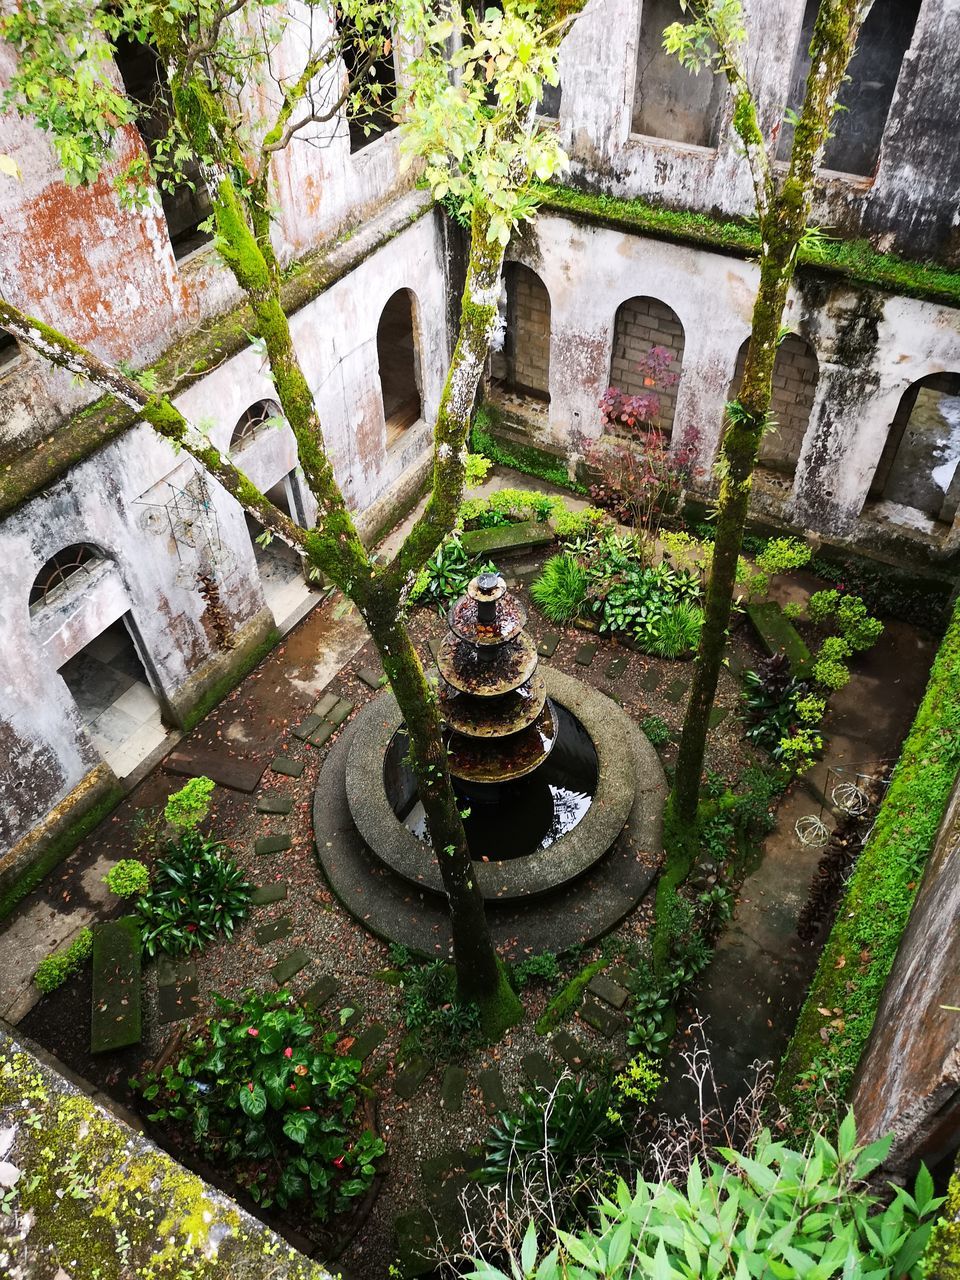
<point>507,537</point>
<point>608,991</point>
<point>235,772</point>
<point>177,990</point>
<point>548,644</point>
<point>573,1052</point>
<point>617,667</point>
<point>115,1019</point>
<point>349,1015</point>
<point>308,725</point>
<point>452,1089</point>
<point>320,735</point>
<point>274,930</point>
<point>322,708</point>
<point>275,843</point>
<point>317,995</point>
<point>276,802</point>
<point>370,677</point>
<point>491,1087</point>
<point>538,1071</point>
<point>602,1018</point>
<point>289,767</point>
<point>288,965</point>
<point>676,690</point>
<point>411,1076</point>
<point>778,634</point>
<point>269,893</point>
<point>586,653</point>
<point>368,1040</point>
<point>339,712</point>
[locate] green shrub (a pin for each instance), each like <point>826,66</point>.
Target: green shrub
<point>822,605</point>
<point>542,968</point>
<point>780,555</point>
<point>793,610</point>
<point>443,1026</point>
<point>258,1091</point>
<point>830,674</point>
<point>857,627</point>
<point>656,729</point>
<point>577,524</point>
<point>127,877</point>
<point>860,951</point>
<point>476,470</point>
<point>188,807</point>
<point>560,591</point>
<point>196,893</point>
<point>54,969</point>
<point>834,649</point>
<point>630,597</point>
<point>768,1210</point>
<point>677,631</point>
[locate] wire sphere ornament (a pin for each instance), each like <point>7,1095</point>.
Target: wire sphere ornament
<point>850,799</point>
<point>811,831</point>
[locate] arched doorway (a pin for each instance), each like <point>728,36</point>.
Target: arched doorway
<point>919,468</point>
<point>399,365</point>
<point>795,375</point>
<point>640,325</point>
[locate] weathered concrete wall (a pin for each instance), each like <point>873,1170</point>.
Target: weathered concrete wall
<point>795,374</point>
<point>870,348</point>
<point>908,204</point>
<point>909,1077</point>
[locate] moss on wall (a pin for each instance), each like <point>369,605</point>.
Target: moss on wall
<point>942,1258</point>
<point>104,1203</point>
<point>855,261</point>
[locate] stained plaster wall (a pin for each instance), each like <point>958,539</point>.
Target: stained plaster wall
<point>869,348</point>
<point>116,500</point>
<point>908,205</point>
<point>908,1082</point>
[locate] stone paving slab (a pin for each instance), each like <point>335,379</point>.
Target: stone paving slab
<point>367,1041</point>
<point>172,970</point>
<point>452,1088</point>
<point>650,680</point>
<point>586,653</point>
<point>235,772</point>
<point>115,1017</point>
<point>411,1076</point>
<point>617,667</point>
<point>676,690</point>
<point>717,715</point>
<point>491,1087</point>
<point>309,724</point>
<point>538,1070</point>
<point>290,964</point>
<point>268,893</point>
<point>548,644</point>
<point>608,991</point>
<point>370,677</point>
<point>289,767</point>
<point>602,1018</point>
<point>178,1001</point>
<point>337,714</point>
<point>350,1015</point>
<point>322,708</point>
<point>275,802</point>
<point>574,1053</point>
<point>274,930</point>
<point>321,734</point>
<point>321,991</point>
<point>276,843</point>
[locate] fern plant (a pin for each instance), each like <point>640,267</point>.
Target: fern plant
<point>561,589</point>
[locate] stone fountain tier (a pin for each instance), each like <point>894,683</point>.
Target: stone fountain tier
<point>494,717</point>
<point>504,758</point>
<point>486,673</point>
<point>465,618</point>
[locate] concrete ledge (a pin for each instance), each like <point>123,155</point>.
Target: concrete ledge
<point>620,772</point>
<point>94,1193</point>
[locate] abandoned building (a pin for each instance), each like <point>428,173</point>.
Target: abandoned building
<point>134,590</point>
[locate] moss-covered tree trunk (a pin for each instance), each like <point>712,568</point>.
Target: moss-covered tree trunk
<point>783,207</point>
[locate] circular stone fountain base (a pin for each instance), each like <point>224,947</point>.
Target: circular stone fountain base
<point>563,896</point>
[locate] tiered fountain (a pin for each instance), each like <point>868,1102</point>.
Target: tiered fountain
<point>562,794</point>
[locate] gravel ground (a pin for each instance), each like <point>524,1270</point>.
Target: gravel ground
<point>339,944</point>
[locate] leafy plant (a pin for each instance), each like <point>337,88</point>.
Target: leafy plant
<point>783,554</point>
<point>656,729</point>
<point>196,893</point>
<point>444,1026</point>
<point>262,1092</point>
<point>445,576</point>
<point>769,1210</point>
<point>561,589</point>
<point>831,673</point>
<point>677,631</point>
<point>127,877</point>
<point>542,968</point>
<point>188,807</point>
<point>638,600</point>
<point>54,969</point>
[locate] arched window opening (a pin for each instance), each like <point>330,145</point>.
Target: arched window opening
<point>281,568</point>
<point>399,371</point>
<point>523,366</point>
<point>795,375</point>
<point>66,569</point>
<point>188,204</point>
<point>670,102</point>
<point>640,325</point>
<point>9,351</point>
<point>919,469</point>
<point>253,422</point>
<point>866,94</point>
<point>368,56</point>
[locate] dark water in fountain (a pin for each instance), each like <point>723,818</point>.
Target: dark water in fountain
<point>509,819</point>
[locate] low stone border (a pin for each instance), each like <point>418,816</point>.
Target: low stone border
<point>623,766</point>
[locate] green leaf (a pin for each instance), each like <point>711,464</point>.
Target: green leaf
<point>528,1249</point>
<point>253,1101</point>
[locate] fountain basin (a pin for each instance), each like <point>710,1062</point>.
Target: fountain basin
<point>540,872</point>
